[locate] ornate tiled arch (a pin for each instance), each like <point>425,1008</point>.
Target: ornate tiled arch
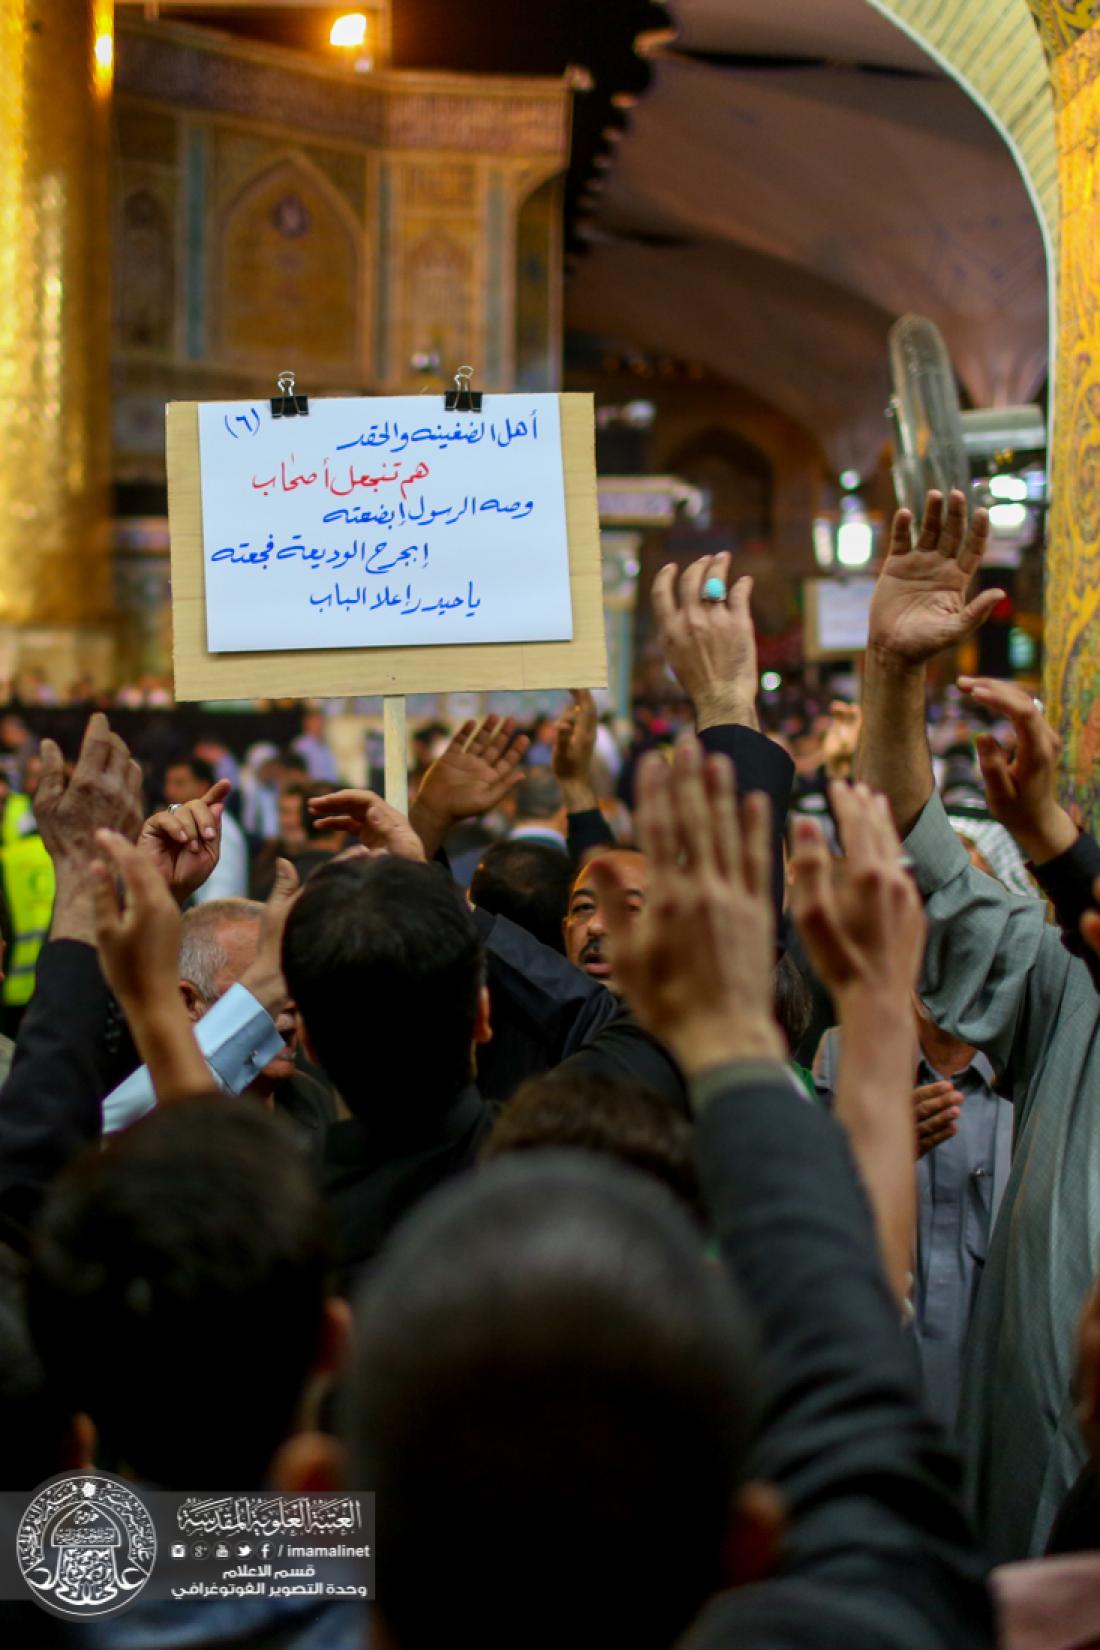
<point>1034,65</point>
<point>992,48</point>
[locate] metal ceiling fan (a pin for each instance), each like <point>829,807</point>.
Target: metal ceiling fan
<point>937,446</point>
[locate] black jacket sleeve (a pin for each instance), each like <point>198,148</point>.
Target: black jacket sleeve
<point>547,1014</point>
<point>879,1553</point>
<point>761,765</point>
<point>620,1048</point>
<point>1067,882</point>
<point>586,830</point>
<point>50,1104</point>
<point>541,1007</point>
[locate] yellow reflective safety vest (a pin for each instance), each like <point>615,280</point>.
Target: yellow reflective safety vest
<point>29,887</point>
<point>16,807</point>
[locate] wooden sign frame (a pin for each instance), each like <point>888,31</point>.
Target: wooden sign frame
<point>319,673</point>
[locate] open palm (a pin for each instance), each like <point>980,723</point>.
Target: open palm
<point>920,606</point>
<point>475,772</point>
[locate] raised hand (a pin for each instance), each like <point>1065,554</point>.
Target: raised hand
<point>264,976</point>
<point>709,646</point>
<point>863,926</point>
<point>919,605</point>
<point>937,1107</point>
<point>380,828</point>
<point>696,963</point>
<point>1020,788</point>
<point>473,775</point>
<point>185,843</point>
<point>139,943</point>
<point>860,917</point>
<point>102,793</point>
<point>574,747</point>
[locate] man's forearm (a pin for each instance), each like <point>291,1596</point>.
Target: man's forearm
<point>578,795</point>
<point>733,705</point>
<point>894,757</point>
<point>166,1042</point>
<point>878,1057</point>
<point>73,904</point>
<point>429,826</point>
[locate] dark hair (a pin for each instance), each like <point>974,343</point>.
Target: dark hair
<point>385,963</point>
<point>177,1290</point>
<point>597,1112</point>
<point>527,882</point>
<point>293,762</point>
<point>549,1371</point>
<point>793,1000</point>
<point>538,795</point>
<point>33,1420</point>
<point>200,767</point>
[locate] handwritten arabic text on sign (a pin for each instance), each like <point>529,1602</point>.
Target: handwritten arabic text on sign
<point>383,523</point>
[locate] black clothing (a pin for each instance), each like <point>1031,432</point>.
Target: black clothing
<point>1067,882</point>
<point>1077,1526</point>
<point>373,1172</point>
<point>312,1107</point>
<point>587,829</point>
<point>371,1175</point>
<point>62,1067</point>
<point>542,1008</point>
<point>546,1012</point>
<point>878,1554</point>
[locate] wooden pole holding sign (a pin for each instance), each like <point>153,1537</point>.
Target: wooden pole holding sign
<point>384,546</point>
<point>396,748</point>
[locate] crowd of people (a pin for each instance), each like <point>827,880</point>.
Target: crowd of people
<point>664,1175</point>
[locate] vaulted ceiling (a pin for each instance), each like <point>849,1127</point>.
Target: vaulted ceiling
<point>798,175</point>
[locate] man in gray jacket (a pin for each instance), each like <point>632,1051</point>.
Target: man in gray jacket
<point>997,977</point>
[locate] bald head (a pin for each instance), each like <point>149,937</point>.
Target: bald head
<point>585,928</point>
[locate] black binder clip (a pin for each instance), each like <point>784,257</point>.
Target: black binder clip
<point>463,398</point>
<point>286,404</point>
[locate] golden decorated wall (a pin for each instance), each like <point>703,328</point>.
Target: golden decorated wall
<point>54,363</point>
<point>1072,582</point>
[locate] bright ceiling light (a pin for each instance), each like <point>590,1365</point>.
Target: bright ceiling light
<point>1008,518</point>
<point>349,30</point>
<point>1013,488</point>
<point>103,44</point>
<point>770,681</point>
<point>854,543</point>
<point>850,480</point>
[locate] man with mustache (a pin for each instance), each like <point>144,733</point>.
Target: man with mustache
<point>707,637</point>
<point>585,926</point>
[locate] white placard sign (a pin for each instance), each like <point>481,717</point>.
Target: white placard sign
<point>843,614</point>
<point>386,522</point>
